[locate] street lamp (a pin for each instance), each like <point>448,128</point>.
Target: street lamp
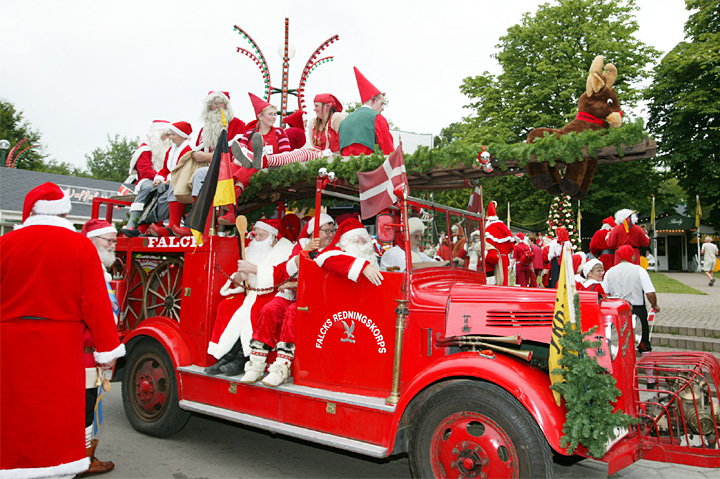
<point>4,145</point>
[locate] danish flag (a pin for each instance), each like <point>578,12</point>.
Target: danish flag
<point>377,186</point>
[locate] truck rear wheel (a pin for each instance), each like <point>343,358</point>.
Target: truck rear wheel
<point>475,429</point>
<point>149,391</point>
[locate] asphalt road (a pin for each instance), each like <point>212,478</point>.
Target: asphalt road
<point>214,449</point>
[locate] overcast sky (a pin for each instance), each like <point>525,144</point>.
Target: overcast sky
<point>80,70</point>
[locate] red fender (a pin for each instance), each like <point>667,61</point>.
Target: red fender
<point>528,384</point>
<point>167,333</point>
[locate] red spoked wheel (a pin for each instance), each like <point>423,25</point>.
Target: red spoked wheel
<point>136,281</point>
<point>464,444</point>
<point>163,291</point>
<point>476,429</point>
<point>149,390</point>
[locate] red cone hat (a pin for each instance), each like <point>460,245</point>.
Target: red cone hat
<point>492,213</point>
<point>258,103</point>
<point>367,89</point>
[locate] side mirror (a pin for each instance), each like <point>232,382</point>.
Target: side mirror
<point>385,227</point>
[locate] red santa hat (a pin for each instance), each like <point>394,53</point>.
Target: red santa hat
<point>627,253</point>
<point>328,98</point>
<point>562,234</point>
<point>46,199</point>
<point>590,265</point>
<point>159,125</point>
<point>97,228</point>
<point>349,228</point>
<point>182,128</point>
<point>578,262</point>
<point>258,103</point>
<point>492,212</point>
<point>520,237</point>
<point>346,216</point>
<point>609,222</point>
<point>367,89</point>
<point>273,226</point>
<point>224,93</point>
<point>295,119</point>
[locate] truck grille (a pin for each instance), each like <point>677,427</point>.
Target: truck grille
<point>519,318</point>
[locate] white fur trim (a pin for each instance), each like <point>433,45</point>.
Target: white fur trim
<point>322,257</point>
<point>415,224</point>
<point>69,468</point>
<point>107,356</point>
<point>266,227</point>
<point>228,290</point>
<point>498,240</point>
<point>133,161</point>
<point>137,206</point>
<point>353,233</point>
<point>239,326</point>
<point>290,267</point>
<point>52,207</point>
<point>178,131</point>
<point>212,347</point>
<point>101,231</point>
<point>264,276</point>
<point>356,269</point>
<point>158,177</point>
<point>44,220</point>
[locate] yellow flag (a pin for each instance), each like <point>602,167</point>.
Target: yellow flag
<point>508,221</point>
<point>698,212</point>
<point>564,311</point>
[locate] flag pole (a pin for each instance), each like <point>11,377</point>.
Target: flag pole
<point>698,214</point>
<point>579,222</point>
<point>655,235</point>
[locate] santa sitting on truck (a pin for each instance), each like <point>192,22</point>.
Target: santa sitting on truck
<point>498,235</point>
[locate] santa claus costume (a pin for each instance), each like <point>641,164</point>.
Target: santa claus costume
<point>51,284</point>
<point>598,244</point>
<point>180,148</point>
<point>499,236</point>
<point>523,270</point>
<point>231,324</point>
<point>343,263</point>
<point>365,127</point>
<point>627,232</point>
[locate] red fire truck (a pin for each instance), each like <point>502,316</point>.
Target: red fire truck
<point>434,363</point>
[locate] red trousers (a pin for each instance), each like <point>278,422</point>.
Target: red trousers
<point>276,322</point>
<point>522,274</point>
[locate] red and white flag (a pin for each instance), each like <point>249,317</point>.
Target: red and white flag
<point>475,202</point>
<point>124,190</point>
<point>377,186</point>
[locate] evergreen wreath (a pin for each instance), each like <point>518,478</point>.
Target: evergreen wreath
<point>588,390</point>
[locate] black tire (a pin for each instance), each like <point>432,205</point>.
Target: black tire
<point>149,391</point>
<point>471,428</point>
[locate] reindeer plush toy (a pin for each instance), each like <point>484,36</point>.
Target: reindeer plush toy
<point>598,108</point>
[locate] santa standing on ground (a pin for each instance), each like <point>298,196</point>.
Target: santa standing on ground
<point>499,236</point>
<point>598,244</point>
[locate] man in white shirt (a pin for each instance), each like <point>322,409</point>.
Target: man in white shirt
<point>709,252</point>
<point>628,281</point>
<point>394,258</point>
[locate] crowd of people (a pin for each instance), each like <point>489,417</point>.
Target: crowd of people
<point>169,167</point>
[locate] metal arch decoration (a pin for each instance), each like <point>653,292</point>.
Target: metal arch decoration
<point>12,158</point>
<point>258,58</point>
<point>312,63</point>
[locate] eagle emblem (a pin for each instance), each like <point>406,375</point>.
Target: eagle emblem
<point>349,337</point>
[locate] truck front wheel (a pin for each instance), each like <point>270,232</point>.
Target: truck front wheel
<point>476,429</point>
<point>149,391</point>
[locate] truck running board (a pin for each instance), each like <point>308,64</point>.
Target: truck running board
<point>288,430</point>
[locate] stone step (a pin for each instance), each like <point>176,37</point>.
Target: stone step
<point>685,342</point>
<point>687,331</point>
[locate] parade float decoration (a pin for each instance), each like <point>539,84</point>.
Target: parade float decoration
<point>562,214</point>
<point>14,155</point>
<point>288,51</point>
<point>598,109</point>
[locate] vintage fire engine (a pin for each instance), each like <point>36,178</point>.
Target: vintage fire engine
<point>437,365</point>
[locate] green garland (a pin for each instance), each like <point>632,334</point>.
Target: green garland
<point>588,390</point>
<point>566,148</point>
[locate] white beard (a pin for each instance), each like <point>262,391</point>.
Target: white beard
<point>107,257</point>
<point>213,126</point>
<point>158,147</point>
<point>364,251</point>
<point>258,251</point>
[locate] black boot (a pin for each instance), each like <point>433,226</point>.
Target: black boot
<point>235,367</point>
<point>215,368</point>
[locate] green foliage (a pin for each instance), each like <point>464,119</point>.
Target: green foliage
<point>112,163</point>
<point>14,128</point>
<point>545,60</point>
<point>588,390</point>
<point>684,111</point>
<point>563,214</point>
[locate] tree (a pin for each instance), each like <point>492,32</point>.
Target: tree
<point>544,61</point>
<point>14,128</point>
<point>112,163</point>
<point>563,214</point>
<point>684,111</point>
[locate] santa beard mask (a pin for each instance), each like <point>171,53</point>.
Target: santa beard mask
<point>258,251</point>
<point>364,251</point>
<point>158,147</point>
<point>213,127</point>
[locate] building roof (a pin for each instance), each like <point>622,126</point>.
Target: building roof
<point>15,184</point>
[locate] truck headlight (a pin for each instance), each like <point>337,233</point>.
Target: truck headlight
<point>638,332</point>
<point>613,340</point>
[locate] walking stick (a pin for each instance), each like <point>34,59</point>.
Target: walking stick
<point>241,224</point>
